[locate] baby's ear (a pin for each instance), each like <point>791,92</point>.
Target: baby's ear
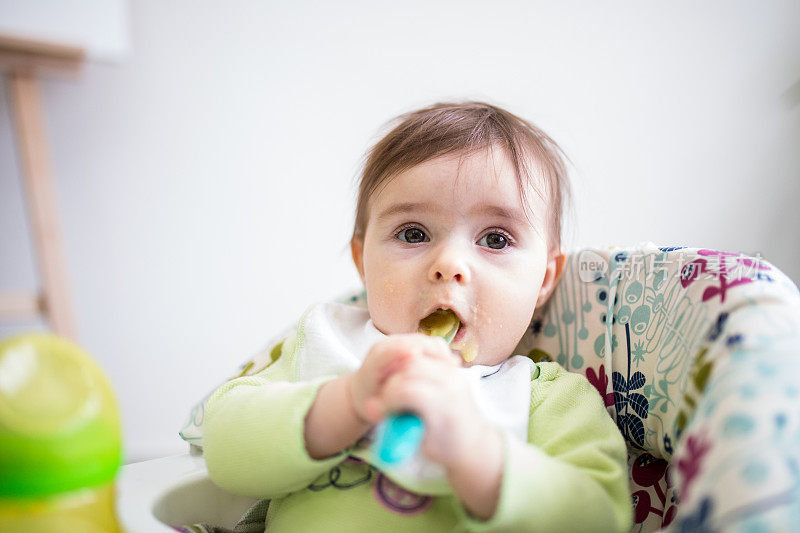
<point>357,251</point>
<point>556,260</point>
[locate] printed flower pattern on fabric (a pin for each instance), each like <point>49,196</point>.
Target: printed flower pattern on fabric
<point>698,521</point>
<point>690,465</point>
<point>600,382</point>
<point>698,377</point>
<point>648,471</point>
<point>691,272</point>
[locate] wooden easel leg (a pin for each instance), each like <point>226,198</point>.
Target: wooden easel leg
<point>32,147</point>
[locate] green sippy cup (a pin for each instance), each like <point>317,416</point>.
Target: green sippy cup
<point>59,438</point>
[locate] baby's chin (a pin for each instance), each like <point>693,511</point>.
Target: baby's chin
<point>468,346</point>
<point>474,352</point>
<point>393,329</point>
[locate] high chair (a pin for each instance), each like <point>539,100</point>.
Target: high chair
<point>696,353</point>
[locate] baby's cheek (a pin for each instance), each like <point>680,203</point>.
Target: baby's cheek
<point>515,316</point>
<point>386,309</point>
<point>388,288</point>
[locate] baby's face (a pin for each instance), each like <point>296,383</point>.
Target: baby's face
<point>440,237</point>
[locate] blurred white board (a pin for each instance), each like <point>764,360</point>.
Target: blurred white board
<point>101,27</point>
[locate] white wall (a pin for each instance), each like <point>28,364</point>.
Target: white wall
<point>204,185</point>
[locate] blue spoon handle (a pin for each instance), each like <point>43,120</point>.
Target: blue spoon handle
<point>399,437</point>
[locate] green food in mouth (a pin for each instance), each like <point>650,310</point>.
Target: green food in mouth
<point>441,323</point>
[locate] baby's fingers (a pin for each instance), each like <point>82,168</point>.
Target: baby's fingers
<point>386,357</point>
<point>394,352</point>
<point>437,348</point>
<point>401,394</point>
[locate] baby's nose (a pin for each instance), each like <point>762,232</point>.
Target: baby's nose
<point>449,265</point>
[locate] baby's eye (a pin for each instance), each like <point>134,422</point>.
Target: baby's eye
<point>412,235</point>
<point>494,240</point>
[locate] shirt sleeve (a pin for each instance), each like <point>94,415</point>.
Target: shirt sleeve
<point>572,475</point>
<point>254,441</point>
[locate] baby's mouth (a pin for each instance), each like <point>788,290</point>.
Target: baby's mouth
<point>441,323</point>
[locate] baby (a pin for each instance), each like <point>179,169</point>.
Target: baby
<point>459,208</point>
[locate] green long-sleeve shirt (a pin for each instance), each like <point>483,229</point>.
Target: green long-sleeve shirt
<point>571,475</point>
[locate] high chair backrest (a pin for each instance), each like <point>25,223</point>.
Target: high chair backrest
<point>696,353</point>
<point>649,326</point>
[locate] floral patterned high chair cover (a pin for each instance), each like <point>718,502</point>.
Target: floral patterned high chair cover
<point>697,355</point>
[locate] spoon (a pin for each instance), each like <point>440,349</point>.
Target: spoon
<point>399,435</point>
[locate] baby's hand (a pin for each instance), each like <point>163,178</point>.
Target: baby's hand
<point>421,374</point>
<point>385,358</point>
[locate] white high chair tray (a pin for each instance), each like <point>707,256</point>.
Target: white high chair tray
<point>174,491</point>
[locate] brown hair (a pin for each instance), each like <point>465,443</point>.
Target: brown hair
<point>449,128</point>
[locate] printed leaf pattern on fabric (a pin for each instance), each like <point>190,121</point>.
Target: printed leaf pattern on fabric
<point>632,407</point>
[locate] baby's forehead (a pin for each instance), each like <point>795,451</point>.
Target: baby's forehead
<point>481,178</point>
